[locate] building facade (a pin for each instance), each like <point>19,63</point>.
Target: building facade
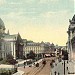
<point>43,48</point>
<point>10,44</point>
<point>37,48</point>
<point>71,39</point>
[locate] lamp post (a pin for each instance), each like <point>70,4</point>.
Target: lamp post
<point>65,58</point>
<point>24,64</point>
<point>64,67</point>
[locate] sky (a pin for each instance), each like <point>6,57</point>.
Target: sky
<point>38,20</point>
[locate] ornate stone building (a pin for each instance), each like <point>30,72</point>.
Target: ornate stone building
<point>71,39</point>
<point>10,44</point>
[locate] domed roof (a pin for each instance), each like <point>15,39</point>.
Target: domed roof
<point>2,24</point>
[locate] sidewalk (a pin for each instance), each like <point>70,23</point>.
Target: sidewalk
<point>71,68</point>
<point>58,68</point>
<point>19,73</point>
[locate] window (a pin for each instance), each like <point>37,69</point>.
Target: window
<point>4,55</point>
<point>1,55</point>
<point>0,45</point>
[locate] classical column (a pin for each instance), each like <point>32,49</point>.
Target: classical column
<point>14,51</point>
<point>71,51</point>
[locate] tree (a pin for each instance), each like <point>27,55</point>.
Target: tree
<point>9,60</point>
<point>27,56</point>
<point>31,55</point>
<point>65,54</point>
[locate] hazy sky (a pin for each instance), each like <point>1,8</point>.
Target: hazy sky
<point>38,20</point>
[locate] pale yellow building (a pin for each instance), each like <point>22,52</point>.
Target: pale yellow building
<point>37,48</point>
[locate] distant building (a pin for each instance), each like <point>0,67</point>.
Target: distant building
<point>50,48</point>
<point>59,50</point>
<point>71,39</point>
<point>37,48</point>
<point>10,44</point>
<point>43,48</point>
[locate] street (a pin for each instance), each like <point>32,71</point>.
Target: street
<point>46,70</point>
<point>41,70</point>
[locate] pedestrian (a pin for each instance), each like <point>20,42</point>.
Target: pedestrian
<point>67,68</point>
<point>62,63</point>
<point>67,61</point>
<point>58,73</point>
<point>51,64</point>
<point>24,66</point>
<point>18,65</point>
<point>55,72</point>
<point>9,72</point>
<point>34,63</point>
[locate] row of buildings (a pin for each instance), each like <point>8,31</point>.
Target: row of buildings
<point>18,47</point>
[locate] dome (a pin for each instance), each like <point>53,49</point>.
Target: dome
<point>2,24</point>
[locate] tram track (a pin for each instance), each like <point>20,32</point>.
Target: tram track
<point>44,67</point>
<point>37,70</point>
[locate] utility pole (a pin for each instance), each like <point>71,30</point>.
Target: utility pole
<point>64,67</point>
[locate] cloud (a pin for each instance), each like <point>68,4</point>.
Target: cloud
<point>74,6</point>
<point>47,14</point>
<point>21,2</point>
<point>29,1</point>
<point>47,1</point>
<point>52,13</point>
<point>14,14</point>
<point>2,2</point>
<point>14,3</point>
<point>58,16</point>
